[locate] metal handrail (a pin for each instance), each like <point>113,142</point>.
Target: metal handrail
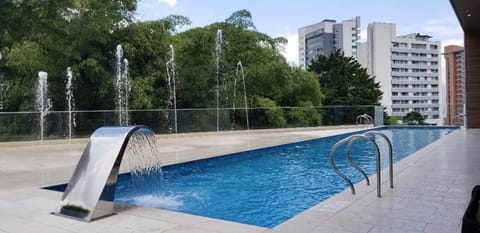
<point>347,140</point>
<point>368,119</point>
<point>349,159</point>
<point>350,140</point>
<point>390,153</point>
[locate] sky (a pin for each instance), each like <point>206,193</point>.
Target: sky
<point>283,17</point>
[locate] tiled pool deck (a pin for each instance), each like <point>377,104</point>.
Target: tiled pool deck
<point>432,188</point>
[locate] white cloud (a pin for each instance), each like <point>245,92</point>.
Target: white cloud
<point>442,27</point>
<point>458,42</point>
<point>171,3</point>
<point>291,50</point>
<point>445,29</point>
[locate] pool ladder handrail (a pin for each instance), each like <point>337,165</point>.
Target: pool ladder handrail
<point>349,140</point>
<point>368,119</point>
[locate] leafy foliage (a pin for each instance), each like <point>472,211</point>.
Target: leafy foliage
<point>241,19</point>
<point>82,34</point>
<point>345,83</point>
<point>414,118</point>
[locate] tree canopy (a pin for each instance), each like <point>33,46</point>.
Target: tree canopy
<point>414,118</point>
<point>82,34</point>
<point>344,81</point>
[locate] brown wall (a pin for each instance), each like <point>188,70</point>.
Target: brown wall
<point>472,63</point>
<point>450,55</point>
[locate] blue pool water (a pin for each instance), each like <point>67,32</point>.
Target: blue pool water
<point>268,186</point>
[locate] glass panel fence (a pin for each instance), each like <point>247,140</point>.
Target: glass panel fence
<point>21,126</point>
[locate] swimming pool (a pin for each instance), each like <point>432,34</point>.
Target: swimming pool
<point>265,187</point>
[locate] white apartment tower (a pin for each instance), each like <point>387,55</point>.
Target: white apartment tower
<point>327,36</point>
<point>408,69</point>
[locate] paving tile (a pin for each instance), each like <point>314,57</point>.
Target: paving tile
<point>441,228</point>
<point>19,225</point>
<point>432,189</point>
<point>304,222</point>
<point>346,224</point>
<point>326,229</point>
<point>384,229</point>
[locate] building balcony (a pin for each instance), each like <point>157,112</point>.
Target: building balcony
<point>415,97</point>
<point>431,82</point>
<point>415,106</point>
<point>415,74</point>
<point>412,90</point>
<point>410,58</point>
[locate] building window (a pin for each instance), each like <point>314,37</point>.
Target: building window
<point>400,54</point>
<point>399,70</point>
<point>433,47</point>
<point>400,78</point>
<point>419,86</point>
<point>400,61</point>
<point>419,70</point>
<point>419,46</point>
<point>419,63</point>
<point>400,85</point>
<point>420,101</point>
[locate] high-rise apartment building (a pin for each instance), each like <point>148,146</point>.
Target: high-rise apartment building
<point>408,69</point>
<point>455,83</point>
<point>327,36</point>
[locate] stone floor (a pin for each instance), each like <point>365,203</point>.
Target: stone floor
<point>432,188</point>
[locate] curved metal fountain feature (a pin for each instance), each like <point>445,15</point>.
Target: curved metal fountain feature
<point>90,192</point>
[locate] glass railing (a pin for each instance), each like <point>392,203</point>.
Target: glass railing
<point>22,126</point>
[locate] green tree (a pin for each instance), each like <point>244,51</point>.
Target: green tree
<point>345,83</point>
<point>267,74</point>
<point>414,118</point>
<point>241,19</point>
<point>146,46</point>
<point>267,114</point>
<point>75,33</point>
